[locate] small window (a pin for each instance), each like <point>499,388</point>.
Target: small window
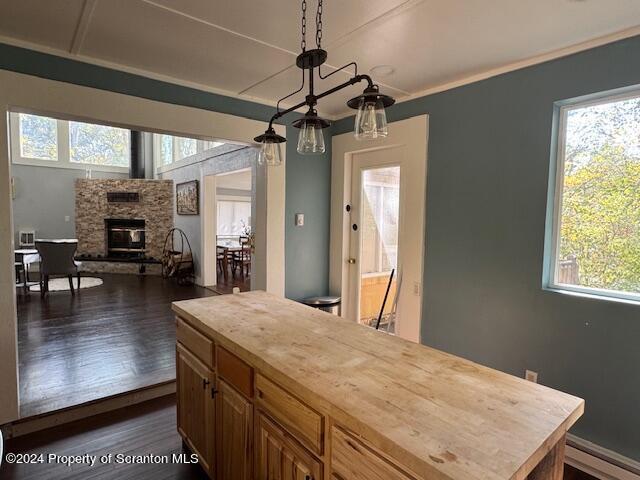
<point>169,150</point>
<point>597,208</point>
<point>185,147</point>
<point>166,149</point>
<point>99,144</point>
<point>38,137</point>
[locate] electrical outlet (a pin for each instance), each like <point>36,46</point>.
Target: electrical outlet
<point>531,376</point>
<point>299,219</point>
<point>67,218</point>
<point>416,288</point>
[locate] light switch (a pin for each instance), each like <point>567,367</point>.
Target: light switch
<point>299,219</point>
<point>67,218</point>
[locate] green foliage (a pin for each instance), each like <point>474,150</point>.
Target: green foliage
<point>98,144</point>
<point>601,219</point>
<point>38,137</point>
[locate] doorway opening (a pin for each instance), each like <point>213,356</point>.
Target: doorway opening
<point>234,240</point>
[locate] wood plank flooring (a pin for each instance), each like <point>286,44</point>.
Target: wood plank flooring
<point>142,429</point>
<point>103,341</point>
<point>148,428</point>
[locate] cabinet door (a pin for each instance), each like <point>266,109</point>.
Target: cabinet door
<point>280,457</point>
<point>235,434</point>
<point>196,410</point>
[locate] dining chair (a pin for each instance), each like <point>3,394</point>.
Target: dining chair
<point>57,258</point>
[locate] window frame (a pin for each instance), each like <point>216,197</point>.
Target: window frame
<point>557,184</point>
<point>64,151</point>
<point>159,168</point>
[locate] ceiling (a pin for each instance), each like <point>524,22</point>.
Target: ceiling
<point>247,48</point>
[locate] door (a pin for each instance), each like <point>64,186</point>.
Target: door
<point>234,429</point>
<point>196,409</point>
<point>280,457</point>
<point>376,245</point>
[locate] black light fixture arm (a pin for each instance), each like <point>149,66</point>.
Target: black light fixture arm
<point>311,100</point>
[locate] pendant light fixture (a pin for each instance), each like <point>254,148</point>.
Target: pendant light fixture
<point>371,118</point>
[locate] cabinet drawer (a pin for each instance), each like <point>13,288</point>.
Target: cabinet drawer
<point>302,421</point>
<point>351,459</point>
<point>195,342</point>
<point>235,371</point>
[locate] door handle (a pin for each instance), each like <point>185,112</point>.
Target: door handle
<point>351,261</point>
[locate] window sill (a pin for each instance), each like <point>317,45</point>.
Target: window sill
<point>591,295</point>
<point>70,166</point>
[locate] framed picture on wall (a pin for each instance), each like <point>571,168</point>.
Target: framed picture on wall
<point>187,198</point>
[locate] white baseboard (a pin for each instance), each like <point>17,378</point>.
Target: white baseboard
<point>600,462</point>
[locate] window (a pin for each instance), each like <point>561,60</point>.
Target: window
<point>169,149</point>
<point>99,145</point>
<point>234,217</point>
<point>38,137</point>
<point>380,211</point>
<point>40,140</point>
<point>596,246</point>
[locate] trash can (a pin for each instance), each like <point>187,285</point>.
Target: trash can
<point>327,304</point>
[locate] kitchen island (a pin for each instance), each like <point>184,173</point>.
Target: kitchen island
<point>271,389</point>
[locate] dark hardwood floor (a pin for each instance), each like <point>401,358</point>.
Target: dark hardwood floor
<point>102,341</point>
<point>226,286</point>
<point>147,428</point>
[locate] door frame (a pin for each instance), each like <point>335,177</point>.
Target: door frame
<point>20,92</point>
<point>413,134</point>
<point>209,222</point>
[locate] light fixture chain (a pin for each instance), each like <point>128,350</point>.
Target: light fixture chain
<point>303,43</point>
<point>319,25</point>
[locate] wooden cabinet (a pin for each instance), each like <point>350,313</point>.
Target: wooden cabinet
<point>196,409</point>
<point>234,428</point>
<point>352,459</point>
<point>280,457</point>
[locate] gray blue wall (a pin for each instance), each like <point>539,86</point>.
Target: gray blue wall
<point>489,150</point>
<point>44,196</point>
<point>305,274</point>
<point>236,158</point>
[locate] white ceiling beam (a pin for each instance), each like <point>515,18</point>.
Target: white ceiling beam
<point>83,26</point>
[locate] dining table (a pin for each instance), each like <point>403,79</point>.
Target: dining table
<point>228,246</point>
<point>27,256</point>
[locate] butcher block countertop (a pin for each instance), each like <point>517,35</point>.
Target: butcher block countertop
<point>442,416</point>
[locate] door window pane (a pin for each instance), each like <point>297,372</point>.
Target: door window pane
<point>99,144</point>
<point>38,137</point>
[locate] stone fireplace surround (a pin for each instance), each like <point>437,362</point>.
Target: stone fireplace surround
<point>92,209</point>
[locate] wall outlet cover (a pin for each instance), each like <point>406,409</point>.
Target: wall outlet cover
<point>299,219</point>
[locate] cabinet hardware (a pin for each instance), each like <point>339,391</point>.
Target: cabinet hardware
<point>213,392</point>
<point>205,382</point>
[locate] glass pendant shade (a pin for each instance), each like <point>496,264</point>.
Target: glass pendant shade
<point>371,119</point>
<point>270,153</point>
<point>310,139</point>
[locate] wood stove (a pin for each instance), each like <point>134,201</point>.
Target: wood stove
<point>125,237</point>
